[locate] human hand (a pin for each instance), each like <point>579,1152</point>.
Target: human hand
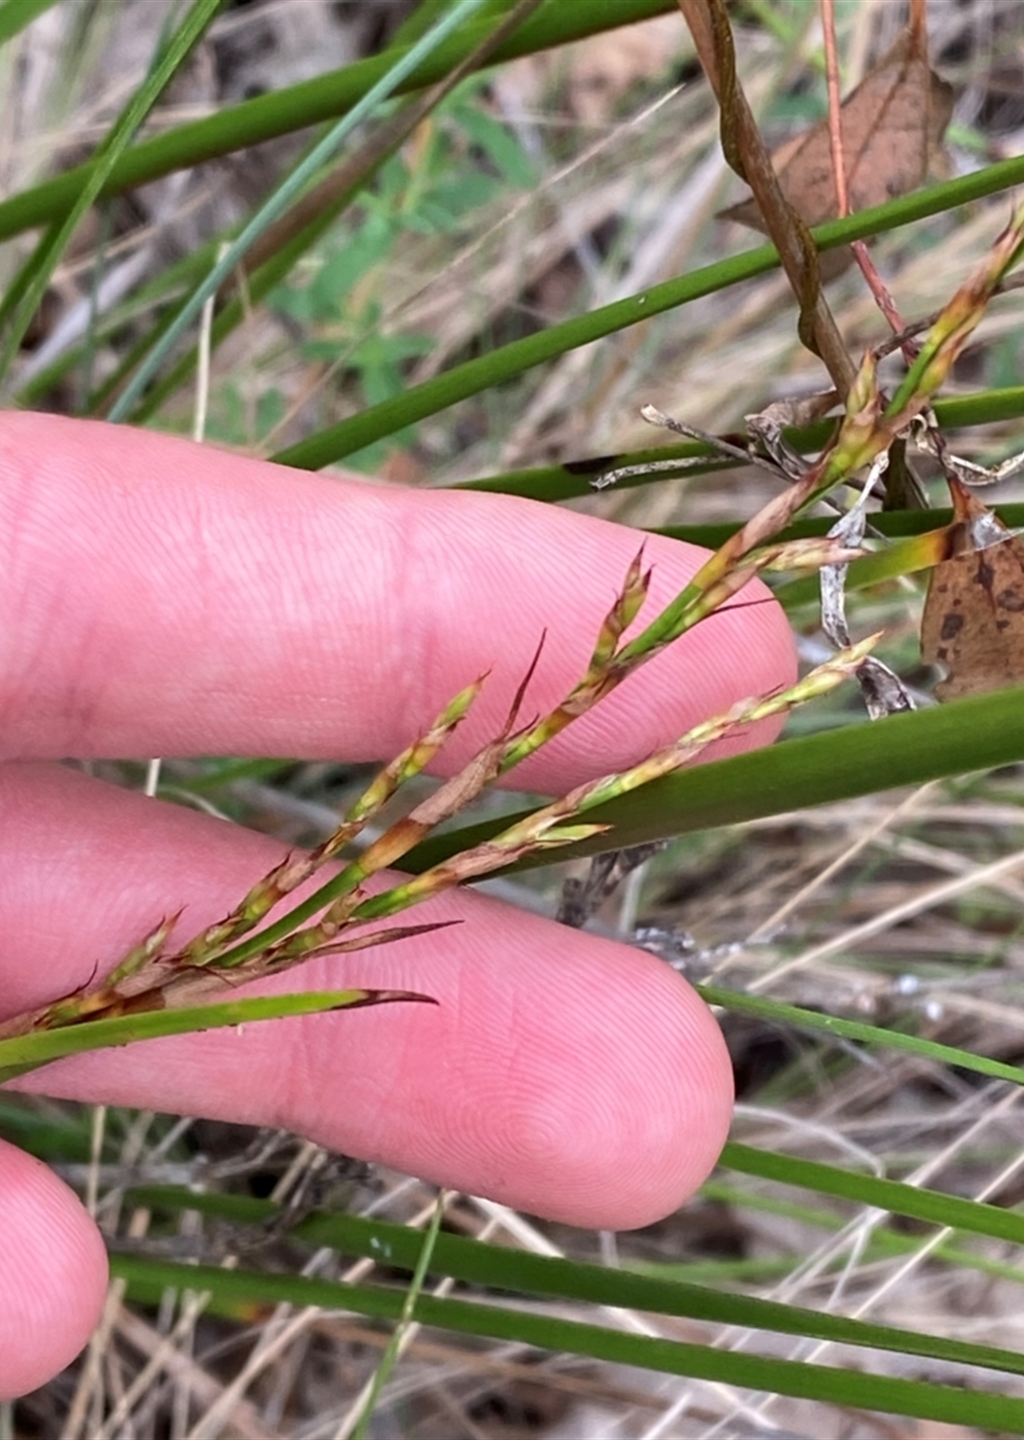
<point>164,599</point>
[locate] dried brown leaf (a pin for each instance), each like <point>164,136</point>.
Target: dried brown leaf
<point>892,127</point>
<point>973,622</point>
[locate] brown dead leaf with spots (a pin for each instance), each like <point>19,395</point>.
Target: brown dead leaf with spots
<point>973,621</point>
<point>892,128</point>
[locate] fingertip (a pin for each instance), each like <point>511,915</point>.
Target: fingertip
<point>226,620</point>
<point>574,1079</point>
<point>678,1077</point>
<point>639,1126</point>
<point>53,1274</point>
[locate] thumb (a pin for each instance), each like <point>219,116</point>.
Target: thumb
<point>53,1274</point>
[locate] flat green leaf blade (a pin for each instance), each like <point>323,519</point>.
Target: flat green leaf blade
<point>924,1400</point>
<point>776,1012</point>
<point>519,1272</point>
<point>908,749</point>
<point>15,15</point>
<point>28,1052</point>
<point>881,1194</point>
<point>573,477</point>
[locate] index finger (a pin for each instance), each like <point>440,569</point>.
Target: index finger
<point>167,598</point>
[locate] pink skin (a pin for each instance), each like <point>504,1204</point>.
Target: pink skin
<point>165,599</point>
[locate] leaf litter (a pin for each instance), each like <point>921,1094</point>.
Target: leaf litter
<point>892,127</point>
<point>973,622</point>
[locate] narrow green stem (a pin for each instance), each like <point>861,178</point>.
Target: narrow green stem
<point>312,102</point>
<point>43,263</point>
<point>285,194</point>
<point>474,376</point>
<point>390,1357</point>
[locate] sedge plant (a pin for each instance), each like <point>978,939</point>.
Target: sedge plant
<point>325,901</point>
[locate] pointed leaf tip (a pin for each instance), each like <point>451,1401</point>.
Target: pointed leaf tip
<point>390,997</point>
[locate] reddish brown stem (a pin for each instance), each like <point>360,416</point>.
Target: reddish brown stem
<point>748,155</point>
<point>874,281</point>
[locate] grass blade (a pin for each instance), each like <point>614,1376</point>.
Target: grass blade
<point>281,112</point>
<point>909,749</point>
<point>815,1021</point>
<point>911,1200</point>
<point>476,1263</point>
<point>348,436</point>
<point>28,1052</point>
<point>283,197</point>
<point>16,14</point>
<point>42,265</point>
<point>921,1399</point>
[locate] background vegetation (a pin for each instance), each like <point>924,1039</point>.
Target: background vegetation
<point>448,295</point>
